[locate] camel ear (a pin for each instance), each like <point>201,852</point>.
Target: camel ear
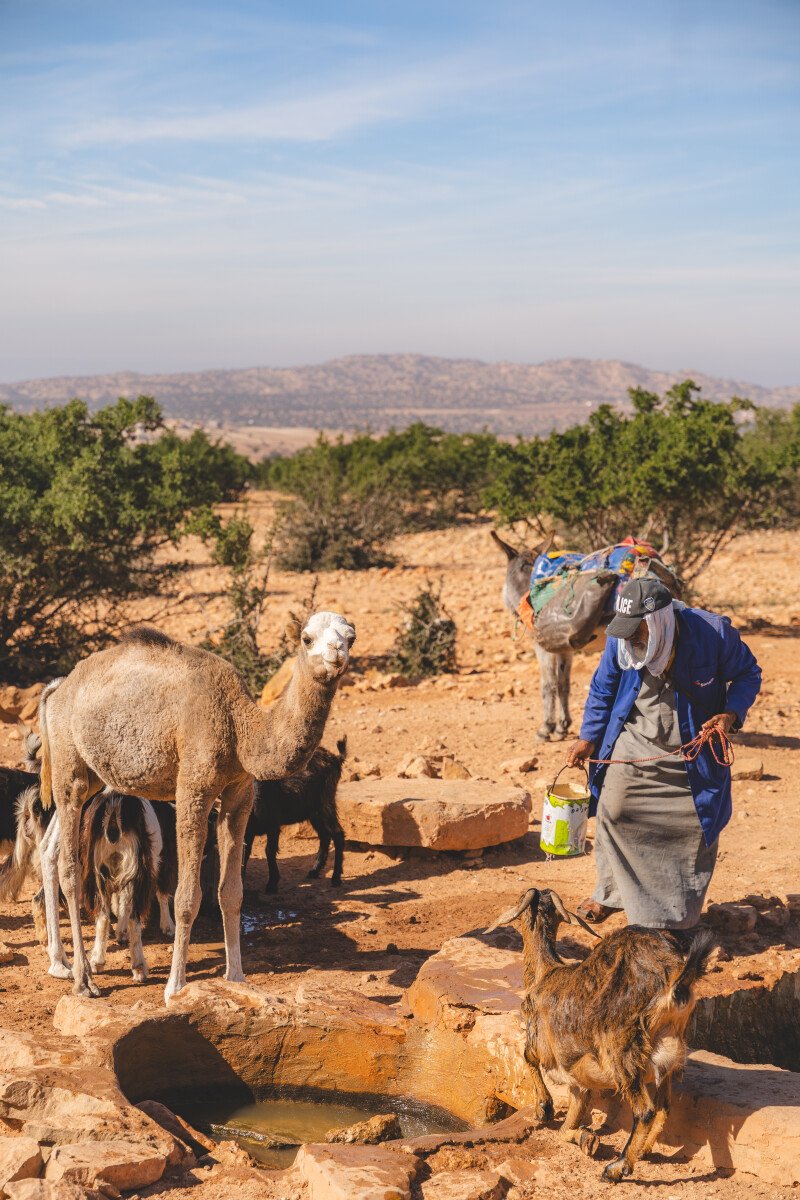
<point>509,551</point>
<point>294,629</point>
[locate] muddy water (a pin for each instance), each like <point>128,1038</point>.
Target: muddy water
<point>273,1129</point>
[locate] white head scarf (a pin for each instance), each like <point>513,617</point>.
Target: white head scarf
<point>660,640</point>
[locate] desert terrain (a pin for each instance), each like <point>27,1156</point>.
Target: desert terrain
<point>394,911</point>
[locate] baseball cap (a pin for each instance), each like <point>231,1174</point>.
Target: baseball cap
<point>634,601</point>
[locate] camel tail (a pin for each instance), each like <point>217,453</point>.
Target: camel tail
<point>46,777</point>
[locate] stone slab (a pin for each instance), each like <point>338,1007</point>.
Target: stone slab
<point>20,1158</point>
<point>356,1172</point>
<point>464,1185</point>
<point>437,814</point>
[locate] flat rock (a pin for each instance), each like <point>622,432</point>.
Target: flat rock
<point>732,918</point>
<point>464,1185</point>
<point>381,1128</point>
<point>123,1165</point>
<point>356,1172</point>
<point>434,813</point>
<point>20,1158</point>
<point>43,1189</point>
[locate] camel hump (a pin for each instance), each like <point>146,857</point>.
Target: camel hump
<point>146,635</point>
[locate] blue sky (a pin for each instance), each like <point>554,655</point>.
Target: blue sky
<point>196,185</point>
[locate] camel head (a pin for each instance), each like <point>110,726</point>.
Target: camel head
<point>325,642</point>
<point>518,569</point>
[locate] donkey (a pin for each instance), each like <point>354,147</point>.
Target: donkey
<point>555,669</point>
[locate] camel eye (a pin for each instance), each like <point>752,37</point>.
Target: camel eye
<point>307,639</point>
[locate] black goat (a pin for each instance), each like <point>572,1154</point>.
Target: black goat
<point>310,795</point>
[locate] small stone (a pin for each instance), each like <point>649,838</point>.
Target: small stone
<point>383,1127</point>
<point>519,766</point>
<point>6,954</point>
<point>417,766</point>
<point>732,918</point>
<point>748,767</point>
<point>391,948</point>
<point>454,770</point>
<point>413,920</point>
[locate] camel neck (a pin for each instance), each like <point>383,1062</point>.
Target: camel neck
<point>278,741</point>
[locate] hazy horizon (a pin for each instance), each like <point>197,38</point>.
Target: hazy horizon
<point>207,186</point>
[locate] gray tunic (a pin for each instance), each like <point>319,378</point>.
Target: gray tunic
<point>650,854</point>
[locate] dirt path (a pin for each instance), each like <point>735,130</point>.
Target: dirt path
<point>391,913</point>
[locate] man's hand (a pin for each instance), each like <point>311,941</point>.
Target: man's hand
<point>578,752</point>
<point>724,721</point>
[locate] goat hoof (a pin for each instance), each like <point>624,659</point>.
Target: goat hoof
<point>336,883</point>
<point>271,889</point>
<point>545,1111</point>
<point>168,930</point>
<point>616,1171</point>
<point>589,1143</point>
<point>313,873</point>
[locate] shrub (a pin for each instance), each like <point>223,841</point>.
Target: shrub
<point>426,640</point>
<point>330,528</point>
<point>86,501</point>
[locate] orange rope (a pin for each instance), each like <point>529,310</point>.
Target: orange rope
<point>716,738</point>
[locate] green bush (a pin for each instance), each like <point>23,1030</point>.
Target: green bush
<point>330,528</point>
<point>86,501</point>
<point>426,640</point>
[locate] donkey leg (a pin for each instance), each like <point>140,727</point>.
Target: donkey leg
<point>548,670</point>
<point>563,680</point>
<point>236,804</point>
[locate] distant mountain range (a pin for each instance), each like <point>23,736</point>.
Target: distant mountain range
<point>379,390</point>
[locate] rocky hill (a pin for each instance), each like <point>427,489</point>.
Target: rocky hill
<point>389,389</point>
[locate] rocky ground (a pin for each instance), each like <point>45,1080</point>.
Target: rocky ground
<point>392,912</point>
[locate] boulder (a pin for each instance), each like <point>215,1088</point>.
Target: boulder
<point>43,1189</point>
<point>20,1158</point>
<point>381,1128</point>
<point>451,769</point>
<point>120,1164</point>
<point>433,813</point>
<point>356,1172</point>
<point>464,1185</point>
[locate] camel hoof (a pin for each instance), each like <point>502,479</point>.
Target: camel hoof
<point>172,989</point>
<point>60,971</point>
<point>88,988</point>
<point>616,1171</point>
<point>168,930</point>
<point>140,975</point>
<point>235,976</point>
<point>589,1143</point>
<point>96,964</point>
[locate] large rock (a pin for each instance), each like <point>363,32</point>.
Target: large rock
<point>43,1189</point>
<point>20,1158</point>
<point>464,1185</point>
<point>123,1165</point>
<point>383,1127</point>
<point>434,813</point>
<point>356,1172</point>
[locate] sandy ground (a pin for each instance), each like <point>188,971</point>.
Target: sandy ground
<point>484,715</point>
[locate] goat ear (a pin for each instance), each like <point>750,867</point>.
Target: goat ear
<point>517,911</point>
<point>293,629</point>
<point>574,919</point>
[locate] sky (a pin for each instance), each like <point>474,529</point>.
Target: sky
<point>201,185</point>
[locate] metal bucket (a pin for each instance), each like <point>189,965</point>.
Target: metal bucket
<point>565,816</point>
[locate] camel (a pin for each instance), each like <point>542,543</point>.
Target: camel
<point>162,720</point>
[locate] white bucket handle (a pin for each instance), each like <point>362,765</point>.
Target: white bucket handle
<point>565,768</point>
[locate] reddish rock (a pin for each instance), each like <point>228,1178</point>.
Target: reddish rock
<point>464,1185</point>
<point>42,1189</point>
<point>732,918</point>
<point>436,814</point>
<point>747,767</point>
<point>123,1165</point>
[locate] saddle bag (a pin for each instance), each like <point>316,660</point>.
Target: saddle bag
<point>570,616</point>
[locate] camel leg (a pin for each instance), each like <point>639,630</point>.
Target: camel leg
<point>236,803</point>
<point>192,831</point>
<point>273,843</point>
<point>97,959</point>
<point>165,921</point>
<point>548,669</point>
<point>60,966</point>
<point>563,679</point>
<point>69,814</point>
<point>574,1128</point>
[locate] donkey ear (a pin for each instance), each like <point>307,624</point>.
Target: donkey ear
<point>294,629</point>
<point>543,546</point>
<point>509,551</point>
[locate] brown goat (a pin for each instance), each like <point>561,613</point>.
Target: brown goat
<point>616,1021</point>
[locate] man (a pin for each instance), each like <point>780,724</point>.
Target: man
<point>667,672</point>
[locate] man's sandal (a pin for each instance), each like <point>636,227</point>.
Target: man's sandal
<point>594,912</point>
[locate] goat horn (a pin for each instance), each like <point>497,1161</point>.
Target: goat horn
<point>514,912</point>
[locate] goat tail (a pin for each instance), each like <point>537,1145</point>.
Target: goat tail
<point>46,776</point>
<point>341,746</point>
<point>15,868</point>
<point>701,951</point>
